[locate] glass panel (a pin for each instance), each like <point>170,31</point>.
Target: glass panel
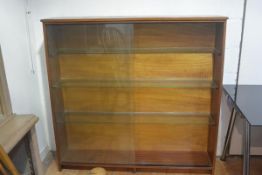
<point>99,143</point>
<point>159,66</point>
<point>127,143</point>
<point>97,99</point>
<point>125,38</point>
<point>136,99</point>
<point>133,93</point>
<point>181,35</point>
<point>165,146</point>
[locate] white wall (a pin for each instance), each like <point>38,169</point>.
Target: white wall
<point>22,82</point>
<point>250,70</point>
<point>36,84</point>
<point>49,8</point>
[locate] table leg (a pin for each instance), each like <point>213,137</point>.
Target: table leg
<point>229,134</point>
<point>246,148</point>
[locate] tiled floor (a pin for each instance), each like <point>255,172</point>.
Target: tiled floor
<point>233,166</point>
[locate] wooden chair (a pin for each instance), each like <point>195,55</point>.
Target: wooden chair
<point>6,165</point>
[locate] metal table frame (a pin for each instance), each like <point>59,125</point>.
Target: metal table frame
<point>246,136</point>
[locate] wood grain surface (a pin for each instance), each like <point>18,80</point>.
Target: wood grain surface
<point>114,80</point>
<point>136,66</point>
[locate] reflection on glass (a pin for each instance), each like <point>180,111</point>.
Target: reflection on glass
<point>133,93</point>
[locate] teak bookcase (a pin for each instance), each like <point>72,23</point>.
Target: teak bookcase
<point>137,93</point>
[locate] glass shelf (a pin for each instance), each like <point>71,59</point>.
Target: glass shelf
<point>165,118</point>
<point>137,50</point>
<point>190,83</point>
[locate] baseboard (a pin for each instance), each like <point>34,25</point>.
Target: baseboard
<point>44,153</point>
<point>48,157</point>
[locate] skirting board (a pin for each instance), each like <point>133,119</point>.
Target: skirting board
<point>44,153</point>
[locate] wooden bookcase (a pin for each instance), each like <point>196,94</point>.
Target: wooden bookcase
<point>137,93</point>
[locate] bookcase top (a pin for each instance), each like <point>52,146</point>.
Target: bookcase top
<point>134,19</point>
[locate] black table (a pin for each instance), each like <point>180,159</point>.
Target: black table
<point>248,103</point>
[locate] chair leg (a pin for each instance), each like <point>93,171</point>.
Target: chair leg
<point>2,170</point>
<point>7,162</point>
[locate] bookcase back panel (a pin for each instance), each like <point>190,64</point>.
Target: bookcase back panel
<point>136,118</point>
<point>100,136</point>
<point>97,99</point>
<point>157,66</point>
<point>177,99</point>
<point>174,35</point>
<point>136,137</point>
<point>171,137</point>
<point>137,99</point>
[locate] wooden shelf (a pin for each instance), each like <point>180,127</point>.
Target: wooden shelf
<point>136,50</point>
<point>175,83</point>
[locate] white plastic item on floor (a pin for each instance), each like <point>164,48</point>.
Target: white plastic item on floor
<point>98,171</point>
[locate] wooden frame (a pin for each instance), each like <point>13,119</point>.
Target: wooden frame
<point>5,103</point>
<point>215,46</point>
